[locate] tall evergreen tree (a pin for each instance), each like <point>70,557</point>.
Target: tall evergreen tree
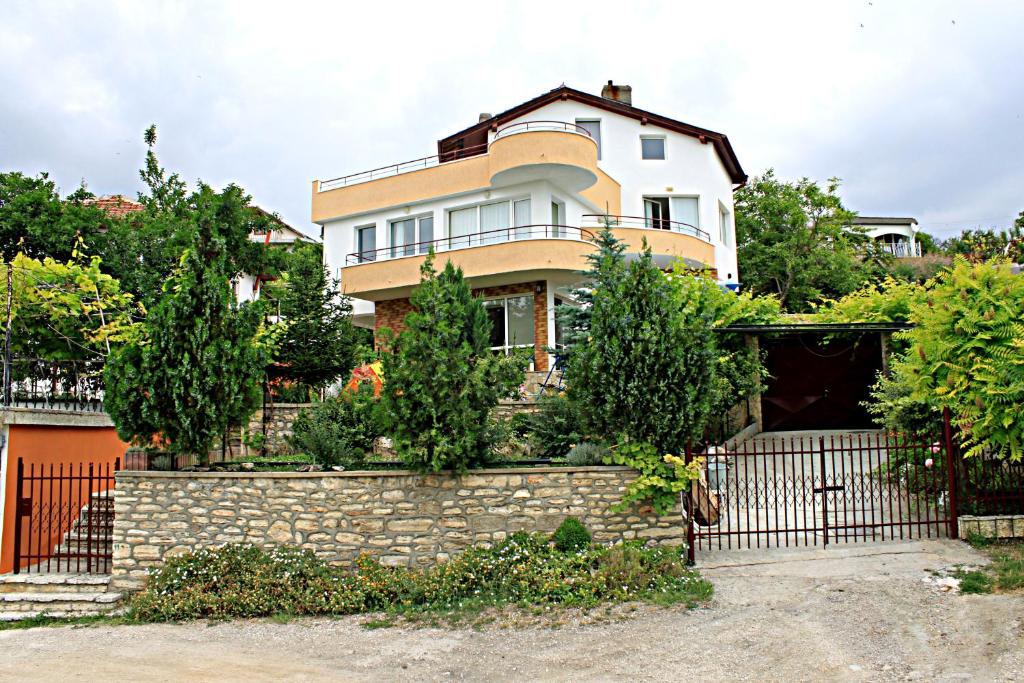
<point>441,378</point>
<point>606,269</point>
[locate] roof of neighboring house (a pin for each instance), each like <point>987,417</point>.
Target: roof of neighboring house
<point>477,134</point>
<point>114,205</point>
<point>883,220</point>
<point>289,233</point>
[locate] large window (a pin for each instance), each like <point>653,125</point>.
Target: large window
<point>592,126</point>
<point>494,218</point>
<point>511,321</point>
<point>366,243</point>
<point>489,223</point>
<point>652,147</point>
<point>462,224</point>
<point>662,212</point>
<point>411,235</point>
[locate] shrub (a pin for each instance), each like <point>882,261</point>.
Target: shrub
<point>661,478</point>
<point>554,428</point>
<point>587,453</point>
<point>442,378</point>
<point>571,536</point>
<point>340,430</point>
<point>245,581</point>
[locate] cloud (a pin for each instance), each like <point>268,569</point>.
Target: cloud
<point>919,115</point>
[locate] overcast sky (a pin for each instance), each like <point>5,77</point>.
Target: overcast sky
<point>917,106</point>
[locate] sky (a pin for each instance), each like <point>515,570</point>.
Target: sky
<point>917,106</point>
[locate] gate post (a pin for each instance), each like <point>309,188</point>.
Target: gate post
<point>17,515</point>
<point>951,470</point>
<point>686,506</point>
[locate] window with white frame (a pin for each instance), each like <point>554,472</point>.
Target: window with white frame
<point>489,223</point>
<point>667,213</point>
<point>593,127</point>
<point>366,243</point>
<point>724,227</point>
<point>511,322</point>
<point>652,146</point>
<point>411,235</point>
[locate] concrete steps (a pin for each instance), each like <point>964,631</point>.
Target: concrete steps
<point>23,596</point>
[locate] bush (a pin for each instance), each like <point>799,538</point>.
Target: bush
<point>571,536</point>
<point>555,427</point>
<point>340,430</point>
<point>245,581</point>
<point>587,453</point>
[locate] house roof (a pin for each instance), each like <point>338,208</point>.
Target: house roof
<point>114,205</point>
<point>477,134</point>
<point>281,226</point>
<point>883,220</point>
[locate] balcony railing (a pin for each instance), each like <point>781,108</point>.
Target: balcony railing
<point>476,239</point>
<point>54,384</point>
<point>902,249</point>
<point>453,155</point>
<point>533,126</point>
<point>648,223</point>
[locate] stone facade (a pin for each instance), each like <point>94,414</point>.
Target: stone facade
<point>402,518</point>
<point>276,425</point>
<point>992,526</point>
<point>391,313</point>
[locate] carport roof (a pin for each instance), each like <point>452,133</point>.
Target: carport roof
<point>816,328</point>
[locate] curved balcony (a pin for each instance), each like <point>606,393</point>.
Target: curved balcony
<point>667,240</point>
<point>506,253</point>
<point>560,152</point>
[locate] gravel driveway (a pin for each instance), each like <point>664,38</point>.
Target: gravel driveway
<point>860,614</point>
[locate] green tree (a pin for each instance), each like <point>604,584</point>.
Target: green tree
<point>319,343</point>
<point>982,245</point>
<point>197,368</point>
<point>796,240</point>
<point>442,380</point>
<point>35,221</point>
<point>650,365</point>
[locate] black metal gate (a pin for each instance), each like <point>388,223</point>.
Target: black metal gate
<point>774,492</point>
<point>64,517</point>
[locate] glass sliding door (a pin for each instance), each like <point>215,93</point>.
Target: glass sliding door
<point>426,235</point>
<point>494,217</point>
<point>512,322</point>
<point>521,216</point>
<point>462,226</point>
<point>685,210</point>
<point>366,243</point>
<point>403,237</point>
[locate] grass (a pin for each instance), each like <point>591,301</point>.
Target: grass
<point>1005,574</point>
<point>42,620</point>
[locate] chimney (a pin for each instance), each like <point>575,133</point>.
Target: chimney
<point>484,116</point>
<point>619,93</point>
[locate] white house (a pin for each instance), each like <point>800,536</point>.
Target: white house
<point>898,236</point>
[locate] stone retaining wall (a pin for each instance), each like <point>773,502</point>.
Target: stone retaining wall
<point>277,426</point>
<point>400,517</point>
<point>992,526</point>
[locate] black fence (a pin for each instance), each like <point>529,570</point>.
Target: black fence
<point>53,384</point>
<point>990,486</point>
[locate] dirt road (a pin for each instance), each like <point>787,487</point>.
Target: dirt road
<point>858,614</point>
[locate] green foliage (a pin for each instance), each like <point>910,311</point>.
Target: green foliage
<point>587,453</point>
<point>442,378</point>
<point>196,369</point>
<point>654,350</point>
<point>967,354</point>
<point>238,581</point>
<point>661,479</point>
<point>67,311</point>
<point>571,536</point>
<point>340,430</point>
<point>919,270</point>
<point>978,246</point>
<point>895,407</point>
<point>35,221</point>
<point>888,301</point>
<point>555,427</point>
<point>796,240</point>
<point>319,343</point>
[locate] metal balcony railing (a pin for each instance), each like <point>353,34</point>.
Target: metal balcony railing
<point>648,223</point>
<point>476,239</point>
<point>53,384</point>
<point>453,155</point>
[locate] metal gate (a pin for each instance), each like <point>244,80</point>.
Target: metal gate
<point>64,517</point>
<point>772,492</point>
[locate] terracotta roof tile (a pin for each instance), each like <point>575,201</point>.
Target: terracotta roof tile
<point>115,205</point>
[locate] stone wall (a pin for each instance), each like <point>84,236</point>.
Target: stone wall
<point>401,518</point>
<point>992,526</point>
<point>277,425</point>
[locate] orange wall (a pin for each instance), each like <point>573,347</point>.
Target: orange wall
<point>45,445</point>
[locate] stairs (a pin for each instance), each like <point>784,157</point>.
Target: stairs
<point>24,596</point>
<point>90,535</point>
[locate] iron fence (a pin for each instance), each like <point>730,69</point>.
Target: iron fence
<point>53,384</point>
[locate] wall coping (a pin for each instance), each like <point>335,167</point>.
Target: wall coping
<point>132,474</point>
<point>286,405</point>
<point>55,418</point>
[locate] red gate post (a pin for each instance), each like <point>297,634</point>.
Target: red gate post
<point>686,507</point>
<point>951,464</point>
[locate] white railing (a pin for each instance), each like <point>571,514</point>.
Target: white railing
<point>902,249</point>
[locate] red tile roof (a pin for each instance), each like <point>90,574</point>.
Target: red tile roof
<point>115,205</point>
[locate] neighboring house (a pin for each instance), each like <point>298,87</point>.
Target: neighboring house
<point>515,200</point>
<point>246,286</point>
<point>898,236</point>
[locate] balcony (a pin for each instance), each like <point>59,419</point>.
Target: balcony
<point>562,153</point>
<point>667,240</point>
<point>508,254</point>
<point>902,249</point>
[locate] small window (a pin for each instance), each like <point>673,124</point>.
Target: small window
<point>652,148</point>
<point>366,243</point>
<point>723,223</point>
<point>593,127</point>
